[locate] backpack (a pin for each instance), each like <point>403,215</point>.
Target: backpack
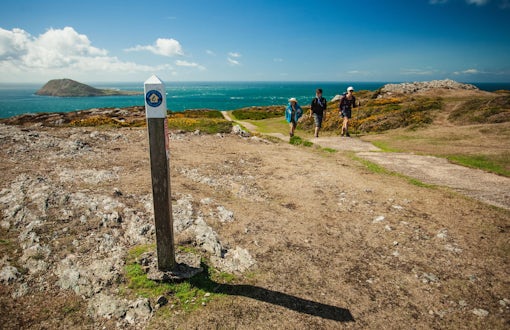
<point>345,103</point>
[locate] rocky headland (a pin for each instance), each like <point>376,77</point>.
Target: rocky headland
<point>72,88</point>
<point>417,87</point>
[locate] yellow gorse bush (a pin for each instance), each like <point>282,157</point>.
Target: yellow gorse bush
<point>385,101</point>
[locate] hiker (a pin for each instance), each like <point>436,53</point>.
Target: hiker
<point>318,109</point>
<point>292,114</point>
<point>347,102</point>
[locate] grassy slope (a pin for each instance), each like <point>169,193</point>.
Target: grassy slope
<point>447,131</point>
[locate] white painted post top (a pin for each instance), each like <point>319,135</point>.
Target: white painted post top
<point>155,98</point>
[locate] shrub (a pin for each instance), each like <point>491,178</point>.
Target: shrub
<point>481,111</point>
<point>202,113</point>
<point>259,113</point>
<point>102,120</point>
<point>207,125</point>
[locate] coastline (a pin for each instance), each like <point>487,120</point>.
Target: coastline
<point>16,99</point>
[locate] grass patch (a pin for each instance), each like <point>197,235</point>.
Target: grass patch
<point>483,110</point>
<point>186,295</point>
<point>296,140</point>
<point>206,125</point>
<point>371,166</point>
<point>416,182</point>
<point>384,146</point>
<point>330,150</point>
<point>271,125</point>
<point>375,168</point>
<point>259,113</point>
<point>483,162</point>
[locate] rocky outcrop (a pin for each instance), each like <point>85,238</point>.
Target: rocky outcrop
<point>415,87</point>
<point>71,88</point>
<point>74,237</point>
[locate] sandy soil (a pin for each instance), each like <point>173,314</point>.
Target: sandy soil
<point>336,246</point>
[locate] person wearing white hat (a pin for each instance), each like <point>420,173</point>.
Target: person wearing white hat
<point>347,102</point>
<point>292,114</point>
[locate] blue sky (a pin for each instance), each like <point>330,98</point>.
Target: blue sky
<point>257,40</point>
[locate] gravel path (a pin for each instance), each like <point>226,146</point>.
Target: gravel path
<point>487,187</point>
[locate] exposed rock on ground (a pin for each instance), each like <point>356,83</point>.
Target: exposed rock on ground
<point>415,87</point>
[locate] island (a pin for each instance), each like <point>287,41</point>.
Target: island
<point>72,88</point>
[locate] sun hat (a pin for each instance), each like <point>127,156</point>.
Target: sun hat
<point>350,88</point>
<point>292,99</point>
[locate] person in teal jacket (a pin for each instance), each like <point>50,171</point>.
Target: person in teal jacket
<point>292,114</point>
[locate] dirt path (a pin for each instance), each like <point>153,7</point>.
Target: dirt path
<point>483,186</point>
<point>335,245</point>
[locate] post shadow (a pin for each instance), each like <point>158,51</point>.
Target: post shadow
<point>300,305</point>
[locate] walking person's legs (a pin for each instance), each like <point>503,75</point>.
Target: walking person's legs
<point>345,126</point>
<point>292,128</point>
<point>318,123</point>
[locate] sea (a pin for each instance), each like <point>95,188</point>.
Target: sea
<point>17,99</point>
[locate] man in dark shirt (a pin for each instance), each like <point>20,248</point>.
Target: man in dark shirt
<point>318,110</point>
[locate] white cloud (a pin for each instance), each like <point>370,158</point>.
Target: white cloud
<point>163,46</point>
<point>278,60</point>
<point>468,71</point>
<point>210,52</point>
<point>189,64</point>
<point>232,58</point>
<point>477,2</point>
<point>59,52</point>
<point>13,44</point>
<point>437,2</point>
<point>231,61</point>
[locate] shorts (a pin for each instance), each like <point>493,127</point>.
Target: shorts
<point>317,119</point>
<point>346,113</point>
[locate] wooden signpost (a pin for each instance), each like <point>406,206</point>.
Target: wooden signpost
<point>155,111</point>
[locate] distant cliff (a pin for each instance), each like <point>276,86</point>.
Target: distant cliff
<point>70,88</point>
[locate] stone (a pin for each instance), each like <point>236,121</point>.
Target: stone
<point>139,311</point>
<point>378,219</point>
<point>480,312</point>
<point>415,87</point>
<point>9,274</point>
<point>237,130</point>
<point>235,261</point>
<point>442,234</point>
<point>161,301</point>
<point>224,214</point>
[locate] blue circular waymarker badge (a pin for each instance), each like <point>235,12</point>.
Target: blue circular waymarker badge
<point>154,98</point>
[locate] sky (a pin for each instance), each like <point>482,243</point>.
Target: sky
<point>255,40</point>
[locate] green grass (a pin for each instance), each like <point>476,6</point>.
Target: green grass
<point>273,125</point>
<point>483,162</point>
<point>384,146</point>
<point>371,166</point>
<point>259,113</point>
<point>186,295</point>
<point>296,140</point>
<point>375,168</point>
<point>206,125</point>
<point>330,150</point>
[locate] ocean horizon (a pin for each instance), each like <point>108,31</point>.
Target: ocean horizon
<point>17,99</point>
